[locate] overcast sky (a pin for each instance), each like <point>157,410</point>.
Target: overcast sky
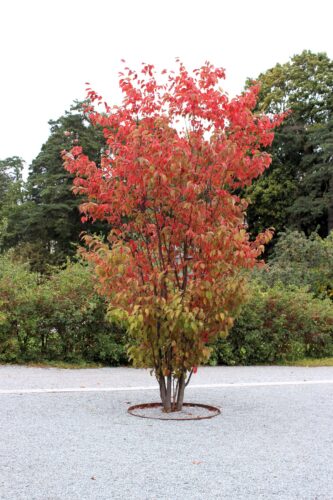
<point>50,48</point>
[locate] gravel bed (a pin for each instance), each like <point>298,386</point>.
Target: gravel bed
<point>269,443</point>
<point>190,411</point>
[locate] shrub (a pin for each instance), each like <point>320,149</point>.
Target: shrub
<point>60,317</point>
<point>303,262</point>
<point>55,317</point>
<point>18,319</point>
<point>278,324</point>
<point>79,318</point>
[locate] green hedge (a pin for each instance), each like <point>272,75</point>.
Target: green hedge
<point>278,324</point>
<point>59,317</point>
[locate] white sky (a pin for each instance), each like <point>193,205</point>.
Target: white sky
<point>50,48</point>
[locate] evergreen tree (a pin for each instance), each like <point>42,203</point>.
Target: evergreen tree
<point>296,192</point>
<point>51,223</point>
<point>11,195</point>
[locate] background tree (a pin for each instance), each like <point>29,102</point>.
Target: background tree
<point>296,192</point>
<point>300,261</point>
<point>172,266</point>
<point>11,195</point>
<point>49,224</point>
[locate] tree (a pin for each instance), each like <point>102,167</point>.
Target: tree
<point>301,261</point>
<point>296,192</point>
<point>50,223</point>
<point>172,266</point>
<point>10,179</point>
<point>319,181</point>
<point>11,195</point>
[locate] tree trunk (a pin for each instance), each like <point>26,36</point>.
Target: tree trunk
<point>161,382</point>
<point>181,391</point>
<point>330,206</point>
<point>165,393</point>
<point>168,405</point>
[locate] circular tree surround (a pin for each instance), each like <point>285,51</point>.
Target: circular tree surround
<point>190,411</point>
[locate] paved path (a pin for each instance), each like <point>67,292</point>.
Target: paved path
<point>274,439</point>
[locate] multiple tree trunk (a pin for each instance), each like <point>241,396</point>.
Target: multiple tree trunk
<point>172,391</point>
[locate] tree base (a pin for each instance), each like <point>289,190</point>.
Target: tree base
<point>190,411</point>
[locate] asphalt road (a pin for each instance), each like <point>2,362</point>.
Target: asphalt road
<point>273,440</point>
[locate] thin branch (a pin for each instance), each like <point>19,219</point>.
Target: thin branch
<point>184,285</point>
<point>189,378</point>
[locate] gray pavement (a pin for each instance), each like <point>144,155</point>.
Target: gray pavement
<point>271,442</point>
<point>22,377</point>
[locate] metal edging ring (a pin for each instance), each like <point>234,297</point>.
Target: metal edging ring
<point>215,411</point>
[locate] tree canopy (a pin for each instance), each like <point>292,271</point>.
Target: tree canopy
<point>48,224</point>
<point>296,192</point>
<point>177,151</point>
<point>11,195</point>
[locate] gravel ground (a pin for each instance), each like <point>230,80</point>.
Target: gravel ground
<point>273,442</point>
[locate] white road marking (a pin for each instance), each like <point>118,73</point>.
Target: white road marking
<point>155,387</point>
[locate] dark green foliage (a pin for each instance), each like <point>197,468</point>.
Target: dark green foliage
<point>11,195</point>
<point>55,318</point>
<point>49,219</point>
<point>10,181</point>
<point>278,324</point>
<point>296,192</point>
<point>301,261</point>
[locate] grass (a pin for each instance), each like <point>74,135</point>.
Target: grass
<point>307,362</point>
<point>311,362</point>
<point>59,364</point>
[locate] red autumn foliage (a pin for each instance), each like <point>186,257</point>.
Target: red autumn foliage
<point>177,153</point>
